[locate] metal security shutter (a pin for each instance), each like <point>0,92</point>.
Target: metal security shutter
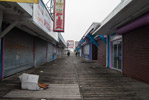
<point>54,52</point>
<point>49,52</point>
<point>40,51</point>
<point>136,54</point>
<point>101,53</point>
<point>86,49</point>
<point>18,55</point>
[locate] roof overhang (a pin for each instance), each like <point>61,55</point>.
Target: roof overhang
<point>91,29</point>
<point>22,13</point>
<point>62,42</point>
<point>126,11</point>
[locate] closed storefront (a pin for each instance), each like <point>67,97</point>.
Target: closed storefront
<point>18,52</point>
<point>60,52</point>
<point>49,55</point>
<point>101,53</point>
<point>86,51</point>
<point>116,52</point>
<point>94,52</point>
<point>40,51</point>
<point>54,52</point>
<point>136,54</point>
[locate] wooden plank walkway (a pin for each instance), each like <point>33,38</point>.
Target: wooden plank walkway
<point>91,81</point>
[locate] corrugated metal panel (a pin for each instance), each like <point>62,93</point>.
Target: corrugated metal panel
<point>86,49</point>
<point>40,51</point>
<point>54,52</point>
<point>101,53</point>
<point>136,54</point>
<point>49,52</point>
<point>18,46</point>
<point>59,52</point>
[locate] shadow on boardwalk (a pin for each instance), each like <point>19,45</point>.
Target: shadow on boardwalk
<point>72,78</point>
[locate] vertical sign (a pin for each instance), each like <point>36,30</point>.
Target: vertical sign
<point>59,15</point>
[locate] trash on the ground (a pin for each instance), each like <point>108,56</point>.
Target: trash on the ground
<point>41,71</point>
<point>54,64</point>
<point>94,67</point>
<point>30,82</point>
<point>43,99</point>
<point>42,85</point>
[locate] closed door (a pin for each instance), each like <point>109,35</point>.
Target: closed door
<point>116,54</point>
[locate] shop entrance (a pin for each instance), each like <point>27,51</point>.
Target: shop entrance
<point>117,54</point>
<point>94,52</point>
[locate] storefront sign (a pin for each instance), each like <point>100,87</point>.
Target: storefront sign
<point>23,1</point>
<point>70,43</point>
<point>42,19</point>
<point>59,15</point>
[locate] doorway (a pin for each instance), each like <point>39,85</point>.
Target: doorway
<point>94,52</point>
<point>117,54</point>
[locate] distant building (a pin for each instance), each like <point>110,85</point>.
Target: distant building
<point>76,43</point>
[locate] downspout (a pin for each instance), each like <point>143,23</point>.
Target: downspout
<point>108,40</point>
<point>90,50</point>
<point>34,62</point>
<point>2,58</point>
<point>47,52</point>
<point>52,52</point>
<point>1,48</point>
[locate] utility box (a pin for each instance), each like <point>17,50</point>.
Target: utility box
<point>29,81</point>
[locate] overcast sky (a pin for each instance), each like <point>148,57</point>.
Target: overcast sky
<point>80,14</point>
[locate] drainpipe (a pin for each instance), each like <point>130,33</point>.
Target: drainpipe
<point>34,55</point>
<point>1,48</point>
<point>47,52</point>
<point>90,50</point>
<point>108,52</point>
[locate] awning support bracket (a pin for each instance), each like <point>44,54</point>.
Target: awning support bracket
<point>92,39</point>
<point>9,28</point>
<point>103,38</point>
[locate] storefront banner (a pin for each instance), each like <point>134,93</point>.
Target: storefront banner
<point>70,43</point>
<point>42,18</point>
<point>59,15</point>
<point>23,1</point>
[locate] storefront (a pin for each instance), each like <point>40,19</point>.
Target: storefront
<point>127,45</point>
<point>116,52</point>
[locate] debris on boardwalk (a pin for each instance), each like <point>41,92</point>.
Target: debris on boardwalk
<point>30,82</point>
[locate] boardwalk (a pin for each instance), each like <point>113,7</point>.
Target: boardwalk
<point>72,78</point>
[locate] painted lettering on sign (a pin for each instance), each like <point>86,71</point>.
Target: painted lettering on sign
<point>59,13</point>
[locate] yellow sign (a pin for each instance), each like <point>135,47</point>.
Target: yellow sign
<point>23,1</point>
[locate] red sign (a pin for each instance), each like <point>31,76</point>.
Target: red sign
<point>70,43</point>
<point>59,15</point>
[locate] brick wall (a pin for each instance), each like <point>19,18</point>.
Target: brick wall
<point>136,54</point>
<point>101,53</point>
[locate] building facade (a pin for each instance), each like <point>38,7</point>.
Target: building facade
<point>24,40</point>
